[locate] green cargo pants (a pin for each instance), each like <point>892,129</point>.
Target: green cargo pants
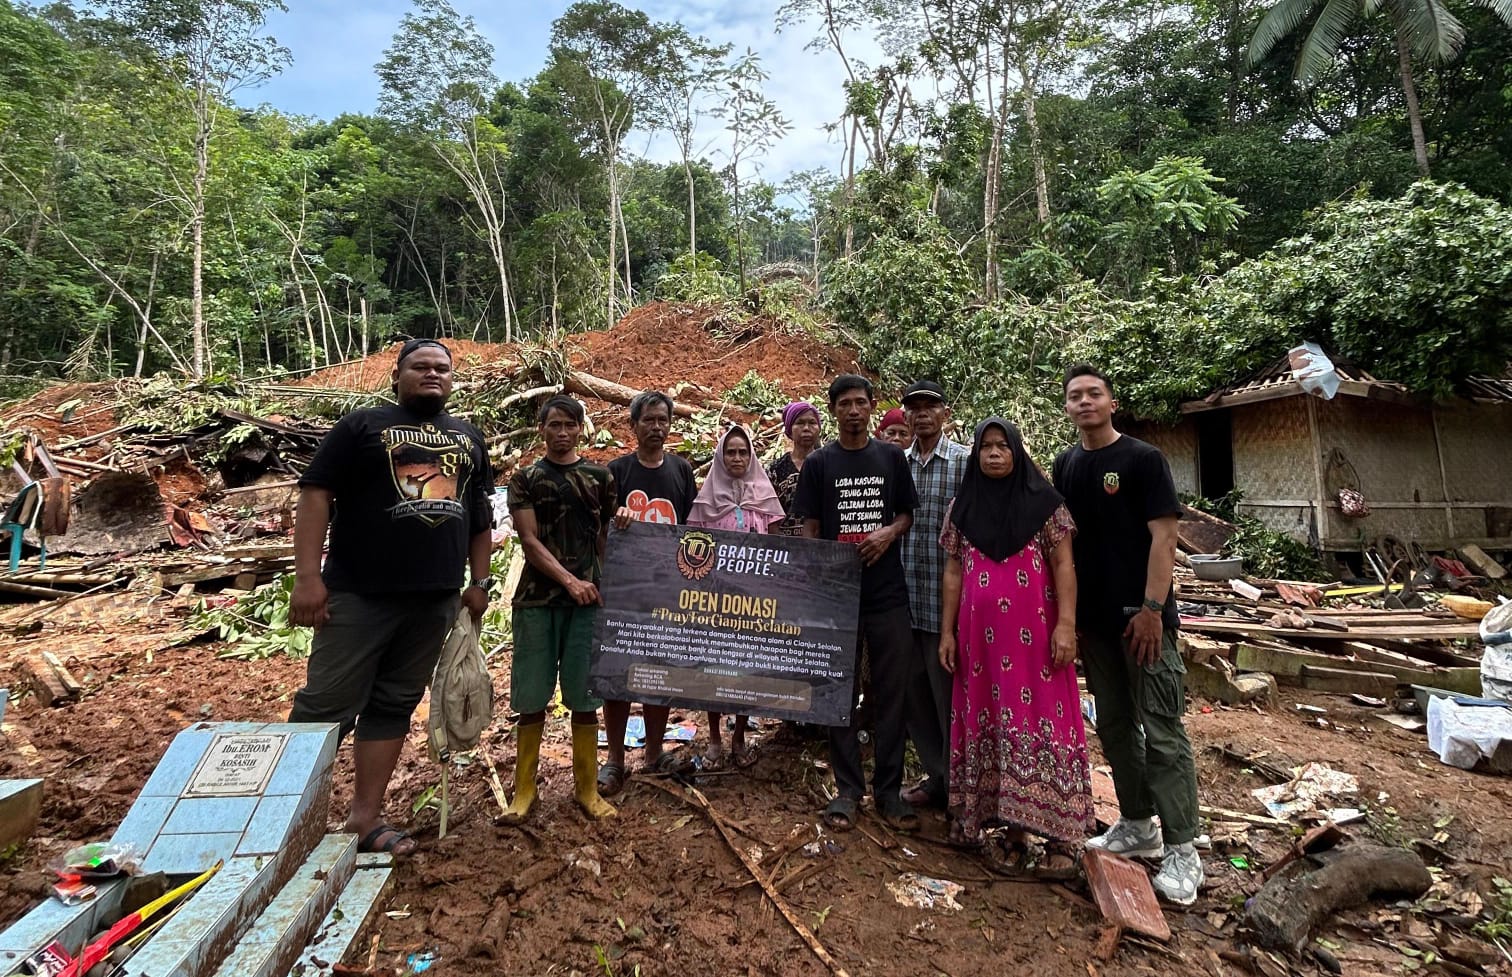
<point>1139,725</point>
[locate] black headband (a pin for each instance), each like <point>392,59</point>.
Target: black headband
<point>415,344</point>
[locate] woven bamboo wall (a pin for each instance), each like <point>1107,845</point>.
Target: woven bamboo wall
<point>1294,520</point>
<point>1391,446</point>
<point>1178,443</point>
<point>1272,450</point>
<point>1477,443</point>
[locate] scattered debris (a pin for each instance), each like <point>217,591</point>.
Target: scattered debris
<point>1313,783</point>
<point>1476,557</point>
<point>923,892</point>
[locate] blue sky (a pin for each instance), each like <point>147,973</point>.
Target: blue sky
<point>335,44</point>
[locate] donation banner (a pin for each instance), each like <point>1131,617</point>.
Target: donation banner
<point>728,622</point>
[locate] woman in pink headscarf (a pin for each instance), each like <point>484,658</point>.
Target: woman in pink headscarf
<point>738,497</point>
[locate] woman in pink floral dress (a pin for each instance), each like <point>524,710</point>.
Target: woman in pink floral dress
<point>1018,750</point>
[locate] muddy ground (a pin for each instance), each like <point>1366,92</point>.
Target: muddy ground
<point>658,892</point>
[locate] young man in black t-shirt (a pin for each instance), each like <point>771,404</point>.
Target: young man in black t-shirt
<point>409,487</point>
<point>656,487</point>
<point>859,490</point>
<point>1120,492</point>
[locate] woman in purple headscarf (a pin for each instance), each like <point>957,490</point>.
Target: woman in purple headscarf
<point>800,422</point>
<point>737,497</point>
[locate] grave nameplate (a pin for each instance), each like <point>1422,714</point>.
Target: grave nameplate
<point>236,765</point>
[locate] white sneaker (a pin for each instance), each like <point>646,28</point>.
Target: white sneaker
<point>1131,839</point>
<point>1180,875</point>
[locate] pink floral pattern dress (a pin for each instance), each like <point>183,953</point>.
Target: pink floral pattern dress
<point>1018,749</point>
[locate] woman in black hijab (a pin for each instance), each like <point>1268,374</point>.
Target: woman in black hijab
<point>1018,750</point>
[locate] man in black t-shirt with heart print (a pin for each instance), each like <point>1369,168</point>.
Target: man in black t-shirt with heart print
<point>655,486</point>
<point>1120,492</point>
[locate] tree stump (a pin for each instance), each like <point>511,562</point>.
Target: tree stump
<point>1304,894</point>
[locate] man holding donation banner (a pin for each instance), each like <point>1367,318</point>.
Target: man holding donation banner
<point>859,490</point>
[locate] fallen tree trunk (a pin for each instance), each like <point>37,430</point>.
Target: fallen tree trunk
<point>1304,894</point>
<point>588,385</point>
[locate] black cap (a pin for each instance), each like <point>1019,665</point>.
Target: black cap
<point>924,388</point>
<point>415,344</point>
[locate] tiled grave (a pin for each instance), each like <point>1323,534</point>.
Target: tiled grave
<point>278,936</point>
<point>253,795</point>
<point>345,922</point>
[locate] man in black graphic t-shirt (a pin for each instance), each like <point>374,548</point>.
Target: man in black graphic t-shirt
<point>1120,492</point>
<point>655,487</point>
<point>404,490</point>
<point>859,490</point>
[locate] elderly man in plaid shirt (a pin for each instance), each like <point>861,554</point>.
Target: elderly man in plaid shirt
<point>938,465</point>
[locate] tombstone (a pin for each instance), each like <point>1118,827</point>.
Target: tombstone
<point>253,795</point>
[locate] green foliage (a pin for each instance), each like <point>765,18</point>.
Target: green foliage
<point>1271,554</point>
<point>757,395</point>
<point>11,443</point>
<point>325,239</point>
<point>497,631</point>
<point>1167,216</point>
<point>696,277</point>
<point>901,288</point>
<point>1499,924</point>
<point>255,625</point>
<point>1417,290</point>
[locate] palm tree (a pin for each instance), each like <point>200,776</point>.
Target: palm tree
<point>1425,28</point>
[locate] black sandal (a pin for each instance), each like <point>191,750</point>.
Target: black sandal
<point>841,814</point>
<point>898,815</point>
<point>611,779</point>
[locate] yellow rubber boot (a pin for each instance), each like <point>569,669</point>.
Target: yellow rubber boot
<point>527,762</point>
<point>585,772</point>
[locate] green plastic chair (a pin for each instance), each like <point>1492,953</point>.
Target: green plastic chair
<point>22,514</point>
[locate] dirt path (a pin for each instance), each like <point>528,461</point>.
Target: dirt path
<point>658,890</point>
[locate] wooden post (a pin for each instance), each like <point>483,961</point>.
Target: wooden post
<point>1320,500</point>
<point>1438,449</point>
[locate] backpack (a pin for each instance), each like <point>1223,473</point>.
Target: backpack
<point>461,692</point>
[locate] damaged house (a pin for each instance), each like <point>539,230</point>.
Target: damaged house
<point>1434,473</point>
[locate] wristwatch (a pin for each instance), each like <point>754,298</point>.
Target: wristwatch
<point>1153,605</point>
<point>484,584</point>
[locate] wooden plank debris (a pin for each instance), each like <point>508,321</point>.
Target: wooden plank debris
<point>1343,681</point>
<point>1478,558</point>
<point>45,683</point>
<point>1287,667</point>
<point>1358,629</point>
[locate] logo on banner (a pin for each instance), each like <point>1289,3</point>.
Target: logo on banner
<point>643,508</point>
<point>695,555</point>
<point>1110,482</point>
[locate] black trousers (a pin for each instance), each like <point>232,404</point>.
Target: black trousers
<point>927,711</point>
<point>887,637</point>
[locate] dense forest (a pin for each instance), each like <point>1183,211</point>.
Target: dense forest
<point>1184,184</point>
